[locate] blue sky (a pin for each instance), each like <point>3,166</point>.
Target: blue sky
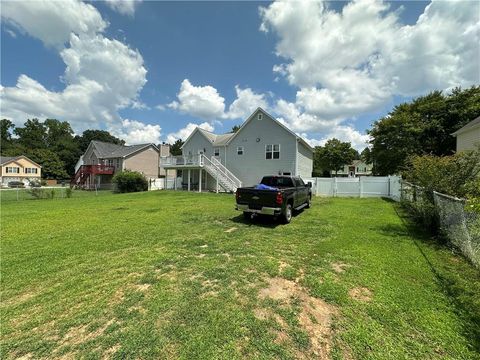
<point>152,71</point>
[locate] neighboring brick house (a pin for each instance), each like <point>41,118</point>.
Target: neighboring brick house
<point>102,160</point>
<point>19,168</point>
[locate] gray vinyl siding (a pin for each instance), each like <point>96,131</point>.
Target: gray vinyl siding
<point>252,165</point>
<point>198,142</point>
<point>305,161</point>
<point>468,139</point>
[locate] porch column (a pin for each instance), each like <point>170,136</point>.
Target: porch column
<point>206,181</point>
<point>175,180</point>
<point>216,173</point>
<point>188,180</point>
<point>200,180</point>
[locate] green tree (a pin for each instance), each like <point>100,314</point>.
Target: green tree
<point>423,126</point>
<point>32,135</point>
<point>99,135</point>
<point>52,166</point>
<point>235,128</point>
<point>59,139</point>
<point>334,155</point>
<point>7,143</point>
<point>176,148</point>
<point>366,156</point>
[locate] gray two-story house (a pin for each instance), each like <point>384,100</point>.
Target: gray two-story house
<point>262,146</point>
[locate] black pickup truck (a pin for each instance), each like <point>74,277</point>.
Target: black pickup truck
<point>287,193</point>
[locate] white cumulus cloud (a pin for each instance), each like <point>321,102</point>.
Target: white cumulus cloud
<point>136,132</point>
<point>53,21</point>
<point>102,75</point>
<point>201,101</point>
<point>205,102</point>
<point>245,103</point>
<point>353,61</point>
<point>185,132</point>
<point>124,7</point>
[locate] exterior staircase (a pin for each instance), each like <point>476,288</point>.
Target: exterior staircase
<point>224,177</point>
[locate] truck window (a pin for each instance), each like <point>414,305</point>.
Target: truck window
<point>277,181</point>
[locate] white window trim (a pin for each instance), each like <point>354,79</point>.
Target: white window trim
<point>11,168</point>
<point>279,151</point>
<point>216,151</point>
<point>242,149</point>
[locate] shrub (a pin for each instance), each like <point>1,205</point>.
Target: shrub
<point>51,193</point>
<point>457,175</point>
<point>36,193</point>
<point>68,192</point>
<point>449,175</point>
<point>130,181</point>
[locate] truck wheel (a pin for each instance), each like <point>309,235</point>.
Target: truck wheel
<point>247,215</point>
<point>287,214</point>
<point>309,202</point>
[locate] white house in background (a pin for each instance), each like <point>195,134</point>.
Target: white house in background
<point>468,136</point>
<point>355,169</point>
<point>262,146</point>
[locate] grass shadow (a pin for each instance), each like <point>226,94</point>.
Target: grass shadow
<point>257,220</point>
<point>459,290</point>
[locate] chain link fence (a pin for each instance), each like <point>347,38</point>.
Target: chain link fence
<point>46,193</point>
<point>461,227</point>
<point>448,215</point>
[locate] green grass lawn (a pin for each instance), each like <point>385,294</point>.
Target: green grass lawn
<point>164,275</point>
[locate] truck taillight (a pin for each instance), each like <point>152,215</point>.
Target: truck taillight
<point>279,199</point>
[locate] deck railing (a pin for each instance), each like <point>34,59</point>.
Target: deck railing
<point>180,160</point>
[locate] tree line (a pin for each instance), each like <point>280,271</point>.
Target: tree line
<point>423,126</point>
<point>419,127</point>
<point>51,144</point>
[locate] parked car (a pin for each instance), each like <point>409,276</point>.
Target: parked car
<point>16,184</point>
<point>276,196</point>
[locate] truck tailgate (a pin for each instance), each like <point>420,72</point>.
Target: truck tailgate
<point>256,199</point>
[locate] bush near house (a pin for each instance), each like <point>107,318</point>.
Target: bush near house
<point>130,181</point>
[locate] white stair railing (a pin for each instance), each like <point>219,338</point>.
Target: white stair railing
<point>224,177</point>
<point>226,172</point>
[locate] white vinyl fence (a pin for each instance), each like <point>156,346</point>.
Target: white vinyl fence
<point>364,186</point>
<point>162,183</point>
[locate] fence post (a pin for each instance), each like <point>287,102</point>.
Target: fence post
<point>334,187</point>
<point>360,186</point>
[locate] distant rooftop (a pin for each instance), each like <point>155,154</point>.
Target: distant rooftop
<point>109,150</point>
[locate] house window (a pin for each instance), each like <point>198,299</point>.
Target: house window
<point>118,163</point>
<point>216,152</point>
<point>31,170</point>
<point>110,162</point>
<point>13,170</point>
<point>272,151</point>
<point>239,150</point>
<point>260,116</point>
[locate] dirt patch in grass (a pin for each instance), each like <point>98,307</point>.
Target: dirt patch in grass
<point>315,316</point>
<point>231,229</point>
<point>339,267</point>
<point>108,354</point>
<point>80,334</point>
<point>142,287</point>
<point>360,294</point>
<point>282,266</point>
